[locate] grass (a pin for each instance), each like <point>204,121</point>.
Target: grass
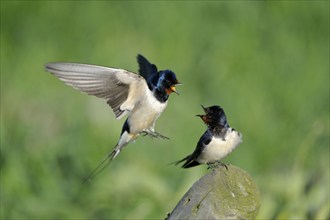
<point>265,63</point>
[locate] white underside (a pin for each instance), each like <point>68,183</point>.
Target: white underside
<point>219,148</point>
<point>145,113</point>
<point>142,117</point>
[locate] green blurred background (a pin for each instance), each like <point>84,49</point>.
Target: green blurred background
<point>265,63</point>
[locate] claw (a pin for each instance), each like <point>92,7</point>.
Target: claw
<point>216,165</point>
<point>154,134</point>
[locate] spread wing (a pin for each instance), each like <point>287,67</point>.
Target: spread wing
<point>121,89</point>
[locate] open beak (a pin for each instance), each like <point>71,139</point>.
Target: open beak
<point>173,89</point>
<point>204,108</point>
<point>204,118</point>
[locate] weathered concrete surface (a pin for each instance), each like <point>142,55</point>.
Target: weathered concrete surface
<point>220,194</point>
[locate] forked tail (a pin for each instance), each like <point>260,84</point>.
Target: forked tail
<point>103,164</point>
<point>189,162</point>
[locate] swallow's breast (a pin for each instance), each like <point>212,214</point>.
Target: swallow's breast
<point>219,148</point>
<point>145,113</point>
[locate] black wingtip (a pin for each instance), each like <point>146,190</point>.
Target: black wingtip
<point>139,56</point>
<point>141,59</point>
<point>145,67</point>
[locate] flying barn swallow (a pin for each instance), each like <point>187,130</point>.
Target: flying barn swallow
<point>143,97</point>
<point>216,143</point>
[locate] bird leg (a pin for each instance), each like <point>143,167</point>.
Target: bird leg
<point>216,164</point>
<point>154,134</point>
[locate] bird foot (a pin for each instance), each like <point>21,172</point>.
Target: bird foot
<point>154,134</point>
<point>216,165</point>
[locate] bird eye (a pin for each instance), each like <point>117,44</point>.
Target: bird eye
<point>168,82</point>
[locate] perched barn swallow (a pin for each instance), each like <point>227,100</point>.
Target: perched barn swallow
<point>143,97</point>
<point>217,142</point>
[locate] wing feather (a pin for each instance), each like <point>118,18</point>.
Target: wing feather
<point>103,82</point>
<point>191,160</point>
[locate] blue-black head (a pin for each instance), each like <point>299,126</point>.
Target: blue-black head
<point>214,116</point>
<point>167,81</point>
<point>163,81</point>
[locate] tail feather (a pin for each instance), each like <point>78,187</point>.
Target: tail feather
<point>103,164</point>
<point>189,162</point>
<point>180,161</point>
